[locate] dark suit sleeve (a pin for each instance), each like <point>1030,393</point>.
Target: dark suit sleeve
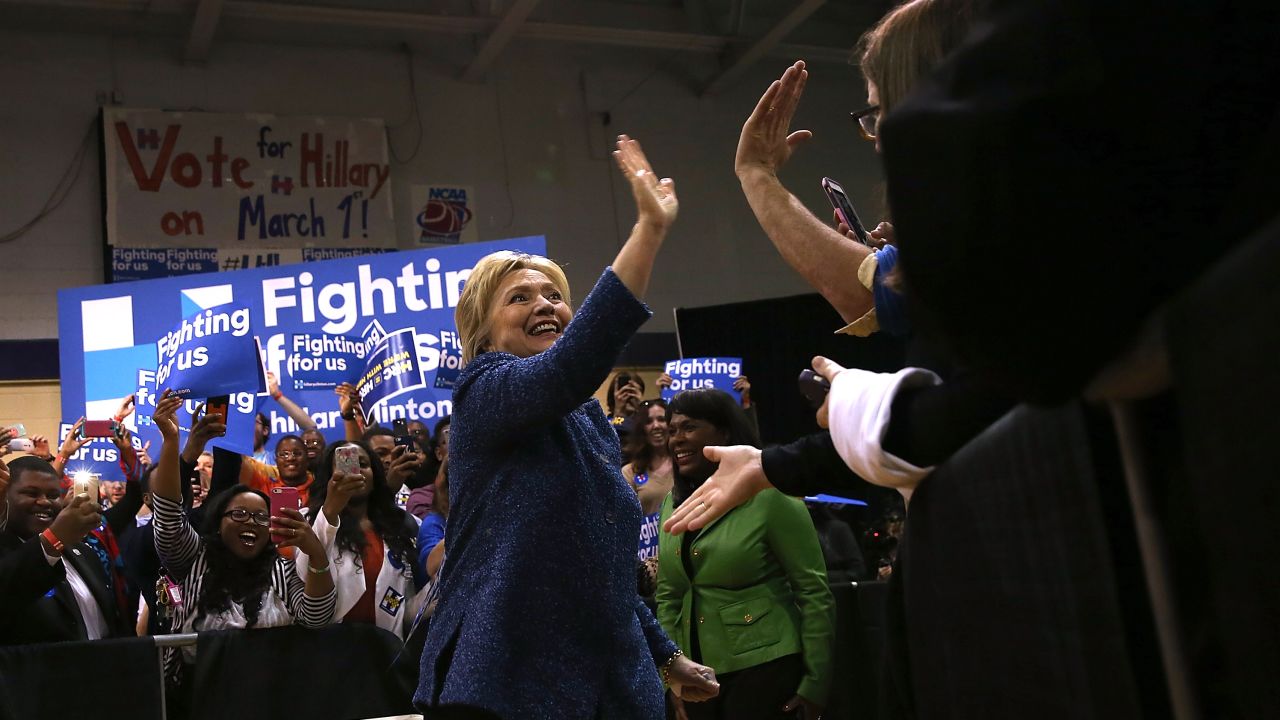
<point>810,466</point>
<point>120,515</point>
<point>929,424</point>
<point>25,575</point>
<point>660,646</point>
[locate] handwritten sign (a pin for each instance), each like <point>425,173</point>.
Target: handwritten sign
<point>193,179</point>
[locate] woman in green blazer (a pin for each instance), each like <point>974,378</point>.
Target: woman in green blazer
<point>747,594</point>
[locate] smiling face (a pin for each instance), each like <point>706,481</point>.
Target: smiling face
<point>33,502</point>
<point>291,460</point>
<point>245,539</point>
<point>655,426</point>
<point>528,315</point>
<point>313,444</point>
<point>686,438</point>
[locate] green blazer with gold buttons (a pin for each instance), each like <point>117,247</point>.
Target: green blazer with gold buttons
<point>757,592</point>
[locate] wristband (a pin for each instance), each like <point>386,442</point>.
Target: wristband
<point>53,540</point>
<point>277,395</point>
<point>321,571</point>
<point>351,416</point>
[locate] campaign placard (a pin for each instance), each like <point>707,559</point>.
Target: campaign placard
<point>392,368</point>
<point>106,333</point>
<point>450,361</point>
<point>323,362</point>
<point>212,352</point>
<point>710,372</point>
<point>241,411</point>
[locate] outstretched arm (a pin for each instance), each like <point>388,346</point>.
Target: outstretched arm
<point>299,415</point>
<point>825,258</point>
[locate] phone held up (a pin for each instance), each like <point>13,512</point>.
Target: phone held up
<point>283,497</point>
<point>814,387</point>
<point>844,209</point>
<point>98,428</point>
<point>346,459</point>
<point>86,484</point>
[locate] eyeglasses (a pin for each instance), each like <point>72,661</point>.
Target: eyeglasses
<point>241,515</point>
<point>868,121</point>
<point>288,454</point>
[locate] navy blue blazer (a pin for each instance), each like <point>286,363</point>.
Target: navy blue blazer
<point>539,615</point>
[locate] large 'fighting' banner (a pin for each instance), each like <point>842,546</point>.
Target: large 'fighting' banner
<point>317,324</point>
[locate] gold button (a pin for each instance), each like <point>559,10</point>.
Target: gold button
<point>696,553</point>
<point>701,619</point>
<point>747,617</point>
<point>677,552</point>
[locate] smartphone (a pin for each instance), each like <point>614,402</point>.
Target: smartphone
<point>86,483</point>
<point>813,387</point>
<point>346,459</point>
<point>98,428</point>
<point>21,444</point>
<point>283,497</point>
<point>844,209</point>
<point>19,430</point>
<point>410,444</point>
<point>218,404</point>
<point>400,426</point>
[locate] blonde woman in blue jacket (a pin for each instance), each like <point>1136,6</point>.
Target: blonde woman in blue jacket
<point>747,594</point>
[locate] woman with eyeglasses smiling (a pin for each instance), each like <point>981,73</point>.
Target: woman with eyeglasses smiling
<point>230,574</point>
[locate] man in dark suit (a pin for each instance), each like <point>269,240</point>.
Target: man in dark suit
<point>55,587</point>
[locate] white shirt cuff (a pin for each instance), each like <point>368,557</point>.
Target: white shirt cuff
<point>858,414</point>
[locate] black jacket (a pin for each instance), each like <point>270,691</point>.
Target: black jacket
<point>37,604</point>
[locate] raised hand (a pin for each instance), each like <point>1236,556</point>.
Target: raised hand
<point>402,466</point>
<point>743,386</point>
<point>273,384</point>
<point>827,369</point>
<point>342,486</point>
<point>739,477</point>
<point>765,143</point>
<point>126,409</point>
<point>348,399</point>
<point>40,446</point>
<point>664,381</point>
<point>293,530</point>
<point>75,520</point>
<point>656,200</point>
<point>73,442</point>
<point>165,416</point>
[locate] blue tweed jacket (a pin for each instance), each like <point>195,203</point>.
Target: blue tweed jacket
<point>539,616</point>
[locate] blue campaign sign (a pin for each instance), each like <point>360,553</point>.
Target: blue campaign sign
<point>108,332</point>
<point>392,368</point>
<point>694,373</point>
<point>323,362</point>
<point>450,361</point>
<point>240,411</point>
<point>211,352</point>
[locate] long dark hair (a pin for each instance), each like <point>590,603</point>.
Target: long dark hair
<point>387,519</point>
<point>723,412</point>
<point>228,577</point>
<point>638,447</point>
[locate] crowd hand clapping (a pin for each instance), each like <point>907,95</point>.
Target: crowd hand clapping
<point>808,710</point>
<point>765,144</point>
<point>656,200</point>
<point>737,479</point>
<point>691,681</point>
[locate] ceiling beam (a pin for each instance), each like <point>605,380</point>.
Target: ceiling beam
<point>125,14</point>
<point>770,40</point>
<point>498,39</point>
<point>202,28</point>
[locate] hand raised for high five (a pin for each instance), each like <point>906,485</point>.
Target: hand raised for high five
<point>765,144</point>
<point>656,200</point>
<point>348,399</point>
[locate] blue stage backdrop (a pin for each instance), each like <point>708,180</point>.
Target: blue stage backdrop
<point>108,333</point>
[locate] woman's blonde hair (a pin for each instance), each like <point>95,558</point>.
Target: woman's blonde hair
<point>908,43</point>
<point>474,314</point>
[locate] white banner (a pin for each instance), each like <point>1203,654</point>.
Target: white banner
<point>193,179</point>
